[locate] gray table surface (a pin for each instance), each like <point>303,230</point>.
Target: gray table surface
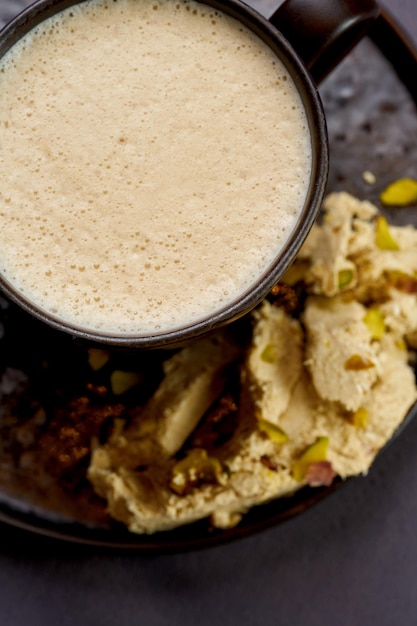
<point>350,561</point>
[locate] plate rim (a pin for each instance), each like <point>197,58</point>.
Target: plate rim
<point>396,46</point>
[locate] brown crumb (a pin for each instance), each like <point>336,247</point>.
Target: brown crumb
<point>269,463</point>
<point>284,297</point>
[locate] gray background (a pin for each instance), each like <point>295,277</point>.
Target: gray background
<point>350,561</point>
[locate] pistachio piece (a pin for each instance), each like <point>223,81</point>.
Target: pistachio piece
<point>345,277</point>
<point>123,381</point>
<point>97,358</point>
<point>360,418</point>
<point>402,192</point>
<point>383,237</point>
<point>316,453</point>
<point>273,432</point>
<point>374,320</point>
<point>268,354</point>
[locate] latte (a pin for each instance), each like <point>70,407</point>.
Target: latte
<point>155,157</point>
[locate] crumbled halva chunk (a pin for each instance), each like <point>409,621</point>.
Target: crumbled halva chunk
<point>319,395</point>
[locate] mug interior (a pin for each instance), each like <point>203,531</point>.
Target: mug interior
<point>42,10</point>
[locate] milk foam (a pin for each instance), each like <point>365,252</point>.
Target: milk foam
<point>155,156</point>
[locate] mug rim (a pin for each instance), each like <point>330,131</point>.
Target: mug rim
<point>40,11</point>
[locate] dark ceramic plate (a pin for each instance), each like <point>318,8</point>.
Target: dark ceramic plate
<point>370,101</point>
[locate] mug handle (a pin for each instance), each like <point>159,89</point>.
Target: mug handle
<point>322,32</point>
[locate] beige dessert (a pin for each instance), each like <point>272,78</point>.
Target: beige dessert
<point>193,380</point>
<point>321,390</point>
<point>155,158</point>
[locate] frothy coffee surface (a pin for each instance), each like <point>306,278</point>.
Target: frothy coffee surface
<point>155,156</point>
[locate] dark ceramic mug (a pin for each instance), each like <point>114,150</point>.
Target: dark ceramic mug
<point>310,37</point>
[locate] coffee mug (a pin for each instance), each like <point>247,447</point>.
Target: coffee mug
<point>163,161</point>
